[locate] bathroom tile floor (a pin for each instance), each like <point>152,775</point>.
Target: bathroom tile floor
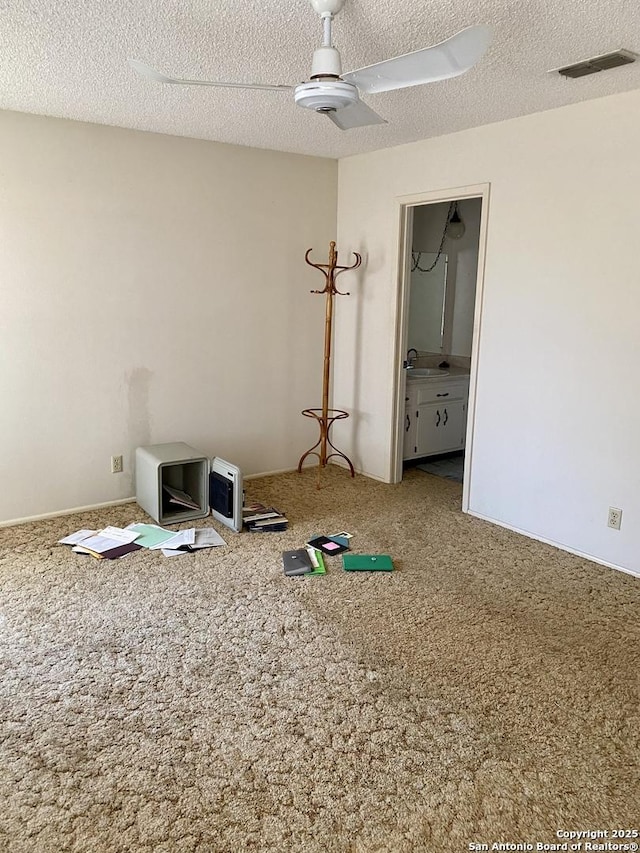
<point>451,466</point>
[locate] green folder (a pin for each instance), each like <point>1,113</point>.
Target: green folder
<point>320,570</point>
<point>150,534</point>
<point>367,563</point>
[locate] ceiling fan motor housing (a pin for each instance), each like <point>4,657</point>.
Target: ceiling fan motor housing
<point>325,95</point>
<point>326,63</point>
<point>325,92</point>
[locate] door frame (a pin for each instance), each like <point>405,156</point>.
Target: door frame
<point>404,217</point>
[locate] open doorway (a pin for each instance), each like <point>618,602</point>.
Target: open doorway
<point>440,285</point>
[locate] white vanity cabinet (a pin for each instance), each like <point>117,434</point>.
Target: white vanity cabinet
<point>435,415</point>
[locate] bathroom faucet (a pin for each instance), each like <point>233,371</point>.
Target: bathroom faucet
<point>411,358</point>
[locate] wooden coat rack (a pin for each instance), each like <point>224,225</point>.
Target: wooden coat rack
<point>325,416</point>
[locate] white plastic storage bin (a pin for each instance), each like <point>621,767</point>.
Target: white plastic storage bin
<point>176,465</point>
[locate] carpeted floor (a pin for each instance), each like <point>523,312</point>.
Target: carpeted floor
<point>486,691</point>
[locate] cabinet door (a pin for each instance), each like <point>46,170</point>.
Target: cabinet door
<point>410,422</point>
<point>440,427</point>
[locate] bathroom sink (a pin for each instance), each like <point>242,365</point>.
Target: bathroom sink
<point>422,372</point>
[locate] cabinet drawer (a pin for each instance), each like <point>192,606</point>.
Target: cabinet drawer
<point>435,392</point>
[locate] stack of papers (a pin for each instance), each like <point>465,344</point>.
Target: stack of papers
<point>183,541</point>
<point>178,499</point>
<point>113,542</point>
<point>107,544</point>
<point>263,519</point>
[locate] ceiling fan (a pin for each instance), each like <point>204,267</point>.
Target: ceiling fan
<point>337,95</point>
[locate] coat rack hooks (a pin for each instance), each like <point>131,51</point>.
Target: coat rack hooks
<point>325,416</point>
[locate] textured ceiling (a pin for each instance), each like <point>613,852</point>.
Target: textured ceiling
<point>68,58</point>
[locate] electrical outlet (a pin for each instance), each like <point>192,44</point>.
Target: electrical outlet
<point>615,518</point>
<point>116,465</point>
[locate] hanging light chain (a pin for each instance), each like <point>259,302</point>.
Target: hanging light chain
<point>415,256</point>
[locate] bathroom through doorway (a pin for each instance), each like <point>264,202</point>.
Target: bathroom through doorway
<point>440,294</point>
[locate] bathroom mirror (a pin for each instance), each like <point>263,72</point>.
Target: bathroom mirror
<point>427,294</point>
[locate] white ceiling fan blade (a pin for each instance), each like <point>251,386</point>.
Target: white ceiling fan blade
<point>447,59</point>
<point>355,115</point>
<point>159,77</point>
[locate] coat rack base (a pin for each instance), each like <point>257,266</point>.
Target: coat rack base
<point>325,419</point>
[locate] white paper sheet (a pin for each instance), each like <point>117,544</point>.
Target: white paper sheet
<point>182,537</point>
<point>207,537</point>
<point>123,537</point>
<point>99,544</point>
<point>76,537</point>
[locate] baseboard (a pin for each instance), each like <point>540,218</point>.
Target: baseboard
<point>554,544</point>
<point>61,512</point>
<point>307,467</point>
<point>273,473</point>
<point>360,471</point>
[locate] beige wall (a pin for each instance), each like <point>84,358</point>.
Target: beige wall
<point>557,415</point>
<point>153,289</point>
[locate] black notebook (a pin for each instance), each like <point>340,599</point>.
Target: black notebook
<point>296,562</point>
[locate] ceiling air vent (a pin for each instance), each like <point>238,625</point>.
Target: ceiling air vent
<point>598,63</point>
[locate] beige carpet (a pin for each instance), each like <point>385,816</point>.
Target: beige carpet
<point>486,691</point>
